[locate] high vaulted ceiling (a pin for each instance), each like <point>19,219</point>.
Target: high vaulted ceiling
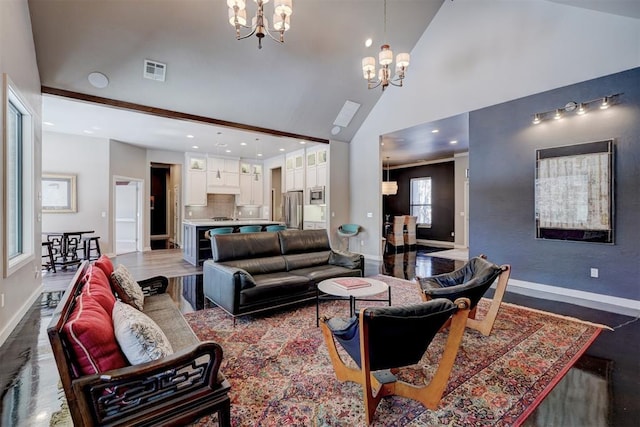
<point>298,87</point>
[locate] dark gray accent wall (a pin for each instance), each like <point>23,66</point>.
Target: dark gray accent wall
<point>503,142</point>
<point>443,198</point>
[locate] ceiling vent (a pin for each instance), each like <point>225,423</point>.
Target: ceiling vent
<point>154,70</point>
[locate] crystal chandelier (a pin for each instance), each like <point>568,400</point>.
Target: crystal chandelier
<point>259,24</point>
<point>385,58</point>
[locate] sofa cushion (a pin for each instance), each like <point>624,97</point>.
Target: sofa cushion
<point>296,241</point>
<point>227,247</point>
<point>98,287</point>
<point>259,265</point>
<point>140,338</point>
<point>322,272</point>
<point>90,335</point>
<point>305,260</point>
<point>127,289</point>
<point>273,286</point>
<point>162,309</point>
<point>104,263</point>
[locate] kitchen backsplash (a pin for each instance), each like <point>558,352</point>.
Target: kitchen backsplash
<point>222,205</point>
<point>217,205</point>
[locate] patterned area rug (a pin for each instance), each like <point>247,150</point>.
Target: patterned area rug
<point>281,374</point>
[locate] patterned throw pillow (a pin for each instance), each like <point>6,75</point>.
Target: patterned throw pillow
<point>128,289</point>
<point>140,338</point>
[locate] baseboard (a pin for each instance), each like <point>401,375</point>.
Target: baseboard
<point>624,306</point>
<point>19,314</point>
<point>435,243</point>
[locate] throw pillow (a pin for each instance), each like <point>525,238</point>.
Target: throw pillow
<point>89,332</point>
<point>127,289</point>
<point>98,287</point>
<point>104,263</point>
<point>140,338</point>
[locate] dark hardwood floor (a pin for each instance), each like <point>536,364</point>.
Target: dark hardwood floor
<point>29,379</point>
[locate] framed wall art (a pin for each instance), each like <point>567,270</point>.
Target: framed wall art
<point>574,197</point>
<point>58,193</point>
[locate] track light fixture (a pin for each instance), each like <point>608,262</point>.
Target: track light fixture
<point>579,108</point>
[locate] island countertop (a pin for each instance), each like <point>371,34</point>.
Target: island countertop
<point>231,223</point>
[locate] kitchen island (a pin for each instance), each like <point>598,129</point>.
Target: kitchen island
<point>197,248</point>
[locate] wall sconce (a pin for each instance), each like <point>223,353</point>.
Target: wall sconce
<point>579,108</point>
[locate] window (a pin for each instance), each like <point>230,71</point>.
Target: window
<point>14,181</point>
<point>19,171</point>
<point>421,200</point>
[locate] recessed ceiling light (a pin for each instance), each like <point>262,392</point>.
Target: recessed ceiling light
<point>453,141</point>
<point>259,154</point>
<point>48,123</point>
<point>243,143</point>
<point>368,42</point>
<point>98,80</point>
<point>435,131</point>
<point>335,130</point>
<point>190,136</point>
<point>195,147</point>
<point>282,149</point>
<point>303,142</point>
<point>87,131</point>
<point>227,151</point>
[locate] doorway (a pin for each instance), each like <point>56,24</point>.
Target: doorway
<point>159,206</point>
<point>128,202</point>
<point>276,194</point>
<point>164,205</point>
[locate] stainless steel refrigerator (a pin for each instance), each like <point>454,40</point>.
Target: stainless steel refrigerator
<point>292,203</point>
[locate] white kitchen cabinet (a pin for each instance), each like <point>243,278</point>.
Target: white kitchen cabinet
<point>314,225</point>
<point>251,185</point>
<point>196,181</point>
<point>294,170</point>
<point>222,175</point>
<point>316,167</point>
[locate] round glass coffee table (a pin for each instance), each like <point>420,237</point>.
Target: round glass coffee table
<point>329,290</point>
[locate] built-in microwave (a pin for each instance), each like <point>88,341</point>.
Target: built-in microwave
<point>316,196</point>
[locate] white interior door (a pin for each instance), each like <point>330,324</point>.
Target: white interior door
<point>127,216</point>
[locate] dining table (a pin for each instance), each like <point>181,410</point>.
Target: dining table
<point>66,245</point>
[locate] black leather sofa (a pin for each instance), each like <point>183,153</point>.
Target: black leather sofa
<point>250,272</point>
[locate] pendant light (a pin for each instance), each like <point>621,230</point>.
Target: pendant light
<point>389,188</point>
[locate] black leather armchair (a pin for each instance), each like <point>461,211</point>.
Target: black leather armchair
<point>382,339</point>
<point>471,281</point>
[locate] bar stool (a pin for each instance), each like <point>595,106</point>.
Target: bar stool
<point>250,228</point>
<point>91,244</point>
<point>275,227</point>
<point>50,264</point>
<point>219,230</point>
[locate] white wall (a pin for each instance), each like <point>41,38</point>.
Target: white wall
<point>339,193</point>
<point>18,60</point>
<point>87,158</point>
<point>477,53</point>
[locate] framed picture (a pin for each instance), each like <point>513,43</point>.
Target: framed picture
<point>58,193</point>
<point>574,192</point>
